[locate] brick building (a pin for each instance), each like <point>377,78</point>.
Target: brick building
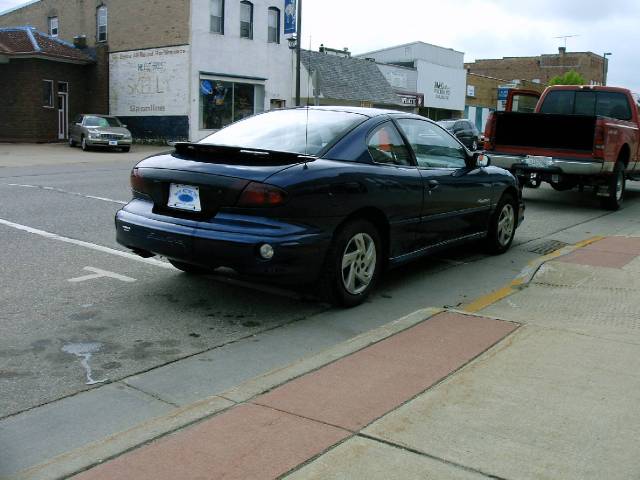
<point>543,68</point>
<point>44,83</point>
<point>483,95</point>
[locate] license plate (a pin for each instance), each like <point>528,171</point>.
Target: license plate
<point>184,197</point>
<point>538,162</point>
<point>113,142</point>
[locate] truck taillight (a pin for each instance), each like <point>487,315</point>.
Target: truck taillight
<point>489,132</point>
<point>598,142</point>
<point>261,195</point>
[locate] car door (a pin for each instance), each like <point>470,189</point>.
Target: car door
<point>397,186</point>
<point>457,200</point>
<point>74,130</point>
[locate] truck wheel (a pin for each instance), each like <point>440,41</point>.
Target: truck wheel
<point>352,265</point>
<point>502,225</point>
<point>616,186</point>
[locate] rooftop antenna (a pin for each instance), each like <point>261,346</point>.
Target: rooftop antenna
<point>565,39</point>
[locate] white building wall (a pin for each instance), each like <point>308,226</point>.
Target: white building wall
<point>233,58</point>
<point>441,75</point>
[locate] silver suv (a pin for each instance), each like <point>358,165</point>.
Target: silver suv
<point>103,131</point>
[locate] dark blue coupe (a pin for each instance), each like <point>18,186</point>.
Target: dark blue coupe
<point>324,195</point>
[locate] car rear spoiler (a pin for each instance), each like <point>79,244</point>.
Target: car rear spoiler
<point>207,153</point>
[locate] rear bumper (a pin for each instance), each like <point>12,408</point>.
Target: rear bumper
<point>513,163</point>
<point>298,255</point>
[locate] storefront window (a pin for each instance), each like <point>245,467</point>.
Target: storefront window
<point>222,102</point>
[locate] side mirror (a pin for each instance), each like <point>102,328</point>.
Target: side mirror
<point>480,160</point>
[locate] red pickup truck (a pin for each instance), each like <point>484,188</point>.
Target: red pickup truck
<point>576,136</point>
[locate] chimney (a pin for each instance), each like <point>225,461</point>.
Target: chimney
<point>80,41</point>
<point>562,50</point>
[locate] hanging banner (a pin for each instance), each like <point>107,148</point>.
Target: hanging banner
<point>290,14</point>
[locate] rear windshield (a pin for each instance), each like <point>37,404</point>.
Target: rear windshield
<point>448,124</point>
<point>102,122</point>
<point>302,131</point>
<point>585,102</point>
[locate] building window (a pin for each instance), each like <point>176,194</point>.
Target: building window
<point>274,25</point>
<point>101,22</point>
<point>47,93</point>
<point>217,16</point>
<point>223,102</point>
<point>246,19</point>
<point>53,26</point>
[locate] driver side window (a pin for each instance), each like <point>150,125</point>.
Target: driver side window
<point>434,148</point>
<point>385,145</point>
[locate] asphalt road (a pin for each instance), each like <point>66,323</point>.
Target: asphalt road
<point>77,309</point>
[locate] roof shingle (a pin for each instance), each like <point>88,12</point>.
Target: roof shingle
<point>21,41</point>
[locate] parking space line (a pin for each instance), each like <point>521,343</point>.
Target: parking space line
<point>60,190</point>
<point>92,246</point>
<point>99,273</point>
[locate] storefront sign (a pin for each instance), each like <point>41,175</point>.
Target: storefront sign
<point>290,16</point>
<point>149,82</point>
<point>412,100</point>
<point>441,90</point>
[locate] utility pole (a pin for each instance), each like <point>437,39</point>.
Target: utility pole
<point>298,44</point>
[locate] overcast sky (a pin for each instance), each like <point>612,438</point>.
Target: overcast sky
<point>479,28</point>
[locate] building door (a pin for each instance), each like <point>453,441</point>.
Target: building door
<point>63,121</point>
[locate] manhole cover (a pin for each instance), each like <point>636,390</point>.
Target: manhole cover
<point>548,246</point>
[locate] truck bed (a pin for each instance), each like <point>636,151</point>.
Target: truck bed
<point>549,131</point>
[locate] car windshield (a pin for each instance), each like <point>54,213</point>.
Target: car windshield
<point>303,131</point>
<point>102,122</point>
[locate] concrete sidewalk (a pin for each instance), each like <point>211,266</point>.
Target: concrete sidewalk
<point>542,382</point>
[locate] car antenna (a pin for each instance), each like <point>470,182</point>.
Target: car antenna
<point>306,127</point>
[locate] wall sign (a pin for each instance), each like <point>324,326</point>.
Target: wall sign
<point>412,100</point>
<point>149,82</point>
<point>441,90</point>
<point>471,91</point>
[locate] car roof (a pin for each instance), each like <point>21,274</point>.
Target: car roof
<point>369,112</point>
<point>103,115</point>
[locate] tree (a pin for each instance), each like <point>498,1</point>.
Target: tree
<point>570,78</point>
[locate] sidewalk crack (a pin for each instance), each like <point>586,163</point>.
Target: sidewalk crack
<point>152,395</point>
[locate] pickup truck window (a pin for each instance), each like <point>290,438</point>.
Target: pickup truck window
<point>571,102</point>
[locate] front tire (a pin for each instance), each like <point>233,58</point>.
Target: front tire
<point>616,185</point>
<point>352,265</point>
<point>502,225</point>
<point>126,149</point>
<point>83,144</point>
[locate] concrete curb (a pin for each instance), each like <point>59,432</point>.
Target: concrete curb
<point>524,277</point>
<point>90,455</point>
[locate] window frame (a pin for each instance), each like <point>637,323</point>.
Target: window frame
<point>50,21</point>
<point>50,105</point>
<point>102,8</point>
<point>247,3</point>
<point>222,17</point>
<point>412,158</point>
<point>278,27</point>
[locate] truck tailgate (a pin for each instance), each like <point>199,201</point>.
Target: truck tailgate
<point>545,131</point>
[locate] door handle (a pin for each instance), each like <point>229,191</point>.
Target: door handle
<point>432,184</point>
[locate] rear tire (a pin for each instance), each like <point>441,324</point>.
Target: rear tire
<point>616,185</point>
<point>502,225</point>
<point>352,265</point>
<point>190,268</point>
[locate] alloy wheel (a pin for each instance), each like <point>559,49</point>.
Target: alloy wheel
<point>358,263</point>
<point>506,224</point>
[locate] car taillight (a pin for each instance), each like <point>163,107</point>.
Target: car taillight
<point>598,142</point>
<point>137,182</point>
<point>261,195</point>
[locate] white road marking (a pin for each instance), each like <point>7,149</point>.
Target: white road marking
<point>60,190</point>
<point>92,246</point>
<point>98,273</point>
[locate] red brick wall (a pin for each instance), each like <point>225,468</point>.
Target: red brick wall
<point>22,115</point>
